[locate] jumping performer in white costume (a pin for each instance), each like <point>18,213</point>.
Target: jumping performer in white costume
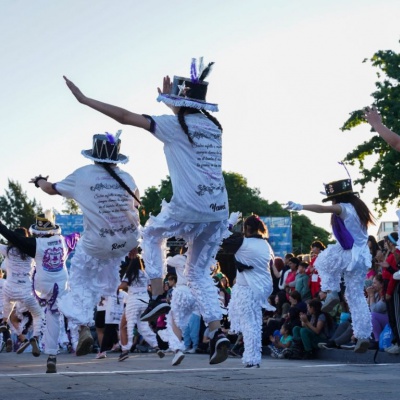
<point>198,210</point>
<point>350,256</point>
<point>108,198</point>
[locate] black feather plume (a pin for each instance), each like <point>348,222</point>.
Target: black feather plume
<point>206,71</point>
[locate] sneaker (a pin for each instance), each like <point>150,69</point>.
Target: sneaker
<point>101,355</point>
<point>178,357</point>
<point>219,347</point>
<point>394,349</point>
<point>348,346</point>
<point>22,347</point>
<point>124,355</point>
<point>35,347</point>
<point>9,345</point>
<point>155,308</point>
<point>3,327</point>
<point>160,353</point>
<point>51,365</point>
<point>361,346</point>
<point>116,348</point>
<point>332,299</point>
<point>252,366</point>
<point>191,351</point>
<point>329,345</point>
<point>85,342</point>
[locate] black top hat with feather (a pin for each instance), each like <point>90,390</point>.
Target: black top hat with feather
<point>190,92</point>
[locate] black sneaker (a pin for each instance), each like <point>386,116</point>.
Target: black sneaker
<point>9,345</point>
<point>35,347</point>
<point>85,343</point>
<point>51,365</point>
<point>219,347</point>
<point>124,355</point>
<point>155,308</point>
<point>3,327</point>
<point>23,346</point>
<point>252,366</point>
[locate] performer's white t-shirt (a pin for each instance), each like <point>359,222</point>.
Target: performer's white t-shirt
<point>199,192</point>
<point>19,271</point>
<point>110,218</point>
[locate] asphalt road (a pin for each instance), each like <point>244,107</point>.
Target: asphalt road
<point>145,376</point>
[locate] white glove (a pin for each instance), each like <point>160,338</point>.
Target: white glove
<point>234,218</point>
<point>291,205</point>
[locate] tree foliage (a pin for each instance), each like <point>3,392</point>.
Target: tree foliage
<point>385,171</point>
<point>15,207</point>
<point>71,207</point>
<point>245,199</point>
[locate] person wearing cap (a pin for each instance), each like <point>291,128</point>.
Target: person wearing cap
<point>108,198</point>
<point>50,278</point>
<point>350,256</point>
<point>198,211</point>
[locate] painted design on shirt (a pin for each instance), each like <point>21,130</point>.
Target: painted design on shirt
<point>101,186</point>
<point>123,229</point>
<point>202,189</point>
<point>53,259</point>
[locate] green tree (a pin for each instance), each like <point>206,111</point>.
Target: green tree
<point>385,171</point>
<point>71,207</point>
<point>245,199</point>
<point>15,207</point>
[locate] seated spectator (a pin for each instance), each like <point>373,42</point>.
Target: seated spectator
<point>282,341</point>
<point>302,282</point>
<point>277,270</point>
<point>311,271</point>
<point>316,327</point>
<point>295,300</point>
<point>291,275</point>
<point>377,305</point>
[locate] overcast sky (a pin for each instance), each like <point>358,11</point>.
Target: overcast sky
<point>287,74</point>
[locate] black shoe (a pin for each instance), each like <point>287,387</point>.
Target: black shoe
<point>3,327</point>
<point>155,308</point>
<point>252,366</point>
<point>51,365</point>
<point>85,343</point>
<point>9,345</point>
<point>219,347</point>
<point>124,355</point>
<point>35,347</point>
<point>23,346</point>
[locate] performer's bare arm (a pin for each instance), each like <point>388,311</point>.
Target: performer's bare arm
<point>375,120</point>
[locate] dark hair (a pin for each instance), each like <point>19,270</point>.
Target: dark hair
<point>288,327</point>
<point>304,264</point>
<point>111,171</point>
<point>172,276</point>
<point>295,295</point>
<point>188,110</point>
<point>132,272</point>
<point>20,231</point>
<point>289,255</point>
<point>279,264</point>
<point>295,260</point>
<point>255,225</point>
<point>379,278</point>
<point>282,299</point>
<point>318,244</point>
<point>366,218</point>
<point>317,306</point>
<point>374,245</point>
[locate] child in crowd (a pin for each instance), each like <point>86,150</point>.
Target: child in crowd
<point>281,341</point>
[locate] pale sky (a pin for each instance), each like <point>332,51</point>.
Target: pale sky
<point>286,76</point>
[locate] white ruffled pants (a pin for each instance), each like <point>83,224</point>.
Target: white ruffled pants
<point>331,264</point>
<point>246,317</point>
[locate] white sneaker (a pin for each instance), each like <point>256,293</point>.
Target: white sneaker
<point>393,349</point>
<point>332,299</point>
<point>191,351</point>
<point>396,275</point>
<point>178,357</point>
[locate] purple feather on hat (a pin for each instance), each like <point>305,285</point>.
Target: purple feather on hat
<point>110,138</point>
<point>193,71</point>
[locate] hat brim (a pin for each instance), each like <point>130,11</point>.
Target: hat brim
<point>34,230</point>
<point>178,101</point>
<point>122,159</point>
<point>330,198</point>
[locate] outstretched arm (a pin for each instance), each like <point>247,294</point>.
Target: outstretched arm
<point>375,120</point>
<point>317,208</point>
<point>42,183</point>
<point>119,114</point>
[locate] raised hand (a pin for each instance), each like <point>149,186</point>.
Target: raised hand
<point>234,218</point>
<point>292,206</point>
<point>372,116</point>
<point>167,86</point>
<point>75,90</point>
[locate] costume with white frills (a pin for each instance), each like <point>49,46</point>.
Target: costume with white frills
<point>250,295</point>
<point>18,286</point>
<point>111,230</point>
<point>198,210</point>
<point>138,297</point>
<point>353,262</point>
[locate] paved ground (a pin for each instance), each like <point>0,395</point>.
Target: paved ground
<point>145,376</point>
